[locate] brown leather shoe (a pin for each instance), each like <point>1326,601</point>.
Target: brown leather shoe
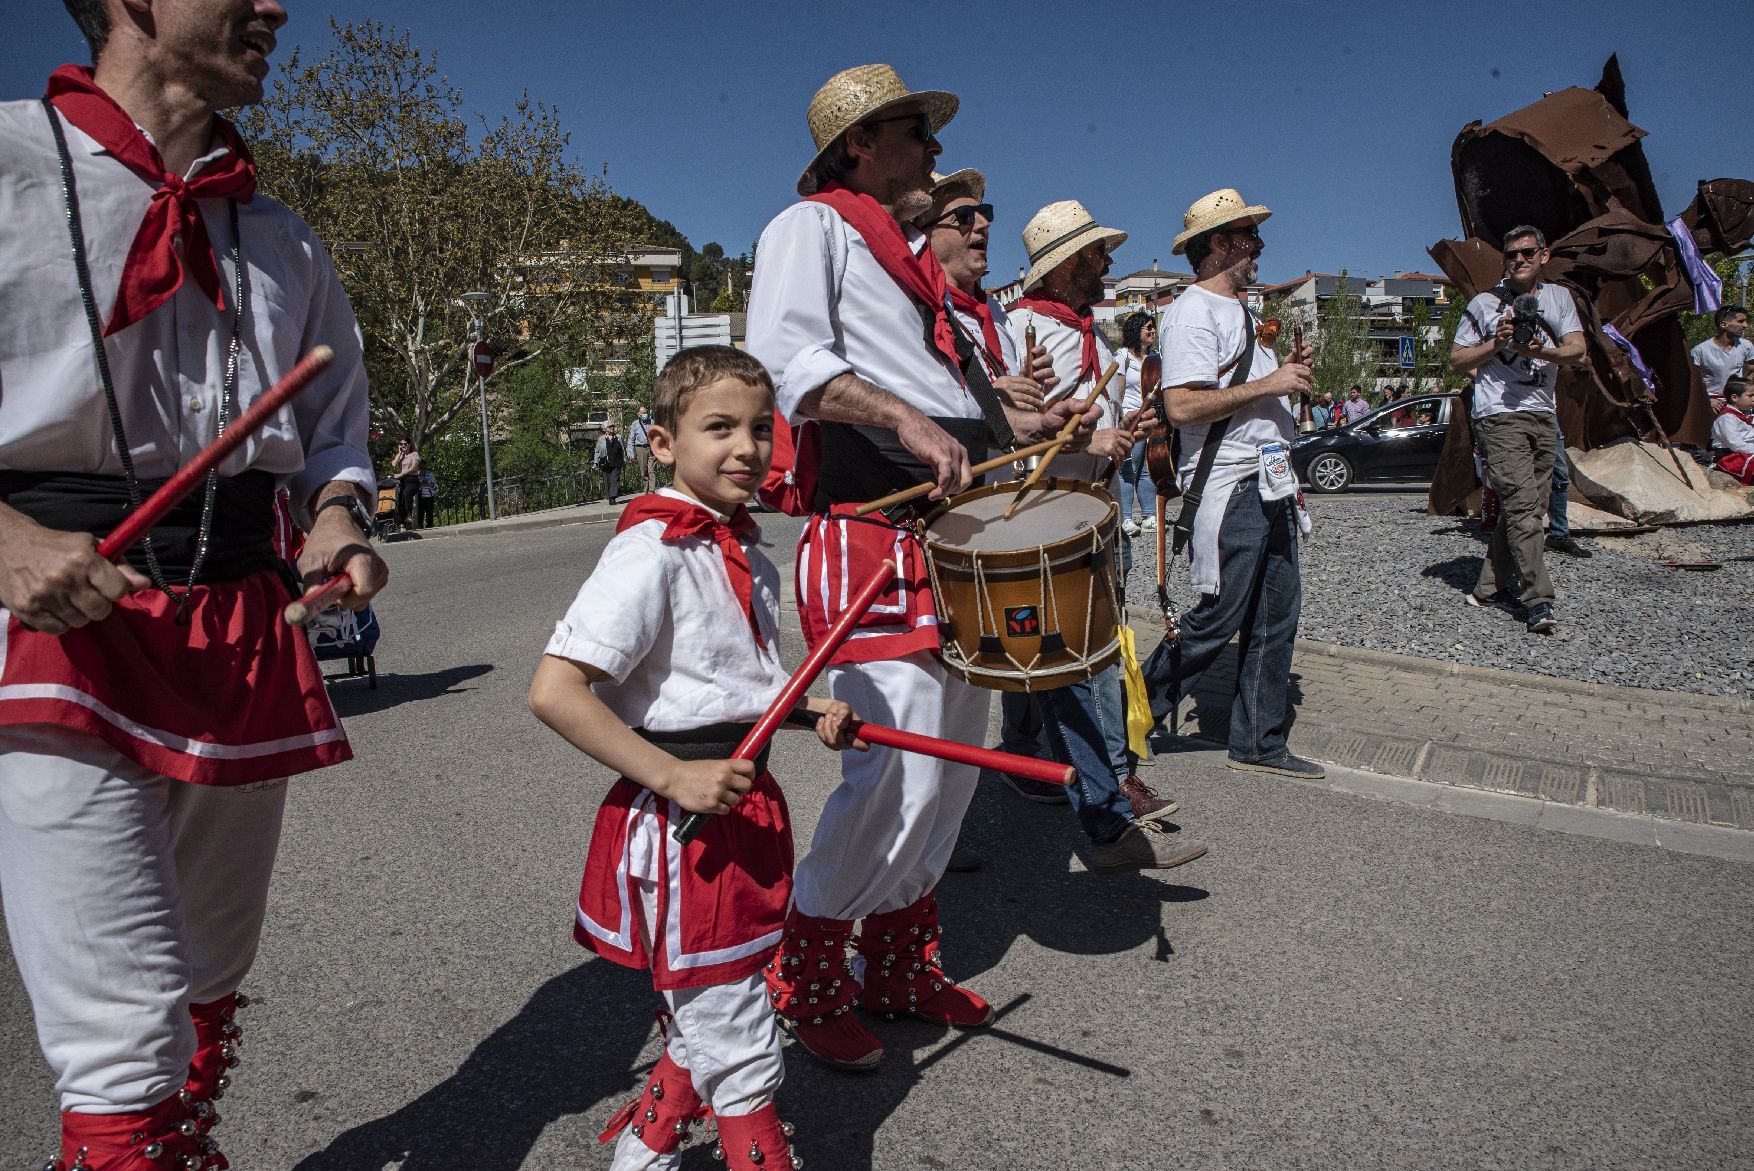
<point>1147,805</point>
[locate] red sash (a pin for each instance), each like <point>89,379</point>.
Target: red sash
<point>920,276</point>
<point>978,307</point>
<point>1089,366</point>
<point>836,552</point>
<point>154,271</point>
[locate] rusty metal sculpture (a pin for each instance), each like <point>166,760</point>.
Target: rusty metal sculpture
<point>1572,165</point>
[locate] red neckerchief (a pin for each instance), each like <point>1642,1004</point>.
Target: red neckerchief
<point>153,271</point>
<point>685,518</point>
<point>1088,364</point>
<point>977,306</point>
<point>1729,410</point>
<point>920,276</point>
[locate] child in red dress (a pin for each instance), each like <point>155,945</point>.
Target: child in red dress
<point>666,658</point>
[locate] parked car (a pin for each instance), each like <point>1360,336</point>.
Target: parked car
<point>1397,441</point>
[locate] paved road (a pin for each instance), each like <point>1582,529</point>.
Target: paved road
<point>1343,982</point>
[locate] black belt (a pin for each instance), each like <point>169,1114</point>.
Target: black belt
<point>863,463</point>
<point>713,742</point>
<point>241,541</point>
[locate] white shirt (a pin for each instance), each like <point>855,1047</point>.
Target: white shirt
<point>1065,346</point>
<point>1731,432</point>
<point>168,368</point>
<point>1526,384</point>
<point>1202,332</point>
<point>1009,346</point>
<point>1134,395</point>
<point>1716,364</point>
<point>661,620</point>
<point>821,306</point>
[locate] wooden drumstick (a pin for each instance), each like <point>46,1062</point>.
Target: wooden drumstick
<point>154,508</point>
<point>315,600</point>
<point>1063,438</point>
<point>799,683</point>
<point>980,469</point>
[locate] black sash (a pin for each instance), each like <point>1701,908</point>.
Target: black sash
<point>863,463</point>
<point>713,742</point>
<point>241,541</point>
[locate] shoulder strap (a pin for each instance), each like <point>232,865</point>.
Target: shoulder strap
<point>1184,523</point>
<point>974,373</point>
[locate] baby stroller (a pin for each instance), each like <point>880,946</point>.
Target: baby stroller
<point>338,634</point>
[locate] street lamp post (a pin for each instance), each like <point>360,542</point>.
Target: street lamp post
<point>472,302</point>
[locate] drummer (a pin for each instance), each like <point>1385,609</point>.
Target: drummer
<point>848,314</point>
<point>1086,722</point>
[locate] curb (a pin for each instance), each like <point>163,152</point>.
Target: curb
<point>548,519</point>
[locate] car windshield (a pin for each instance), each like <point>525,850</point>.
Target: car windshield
<point>1413,412</point>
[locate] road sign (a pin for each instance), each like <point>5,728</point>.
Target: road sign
<point>483,359</point>
<point>1407,362</point>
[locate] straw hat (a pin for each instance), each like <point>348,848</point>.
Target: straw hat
<point>854,95</point>
<point>1057,231</point>
<point>1224,206</point>
<point>967,177</point>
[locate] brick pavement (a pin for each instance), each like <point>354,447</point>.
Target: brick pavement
<point>1666,754</point>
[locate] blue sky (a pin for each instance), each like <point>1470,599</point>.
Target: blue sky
<point>1338,116</point>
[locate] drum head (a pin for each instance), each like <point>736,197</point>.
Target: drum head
<point>976,520</point>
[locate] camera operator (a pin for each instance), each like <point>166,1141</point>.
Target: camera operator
<point>1513,339</point>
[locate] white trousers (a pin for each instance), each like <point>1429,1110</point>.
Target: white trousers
<point>725,1037</point>
<point>888,828</point>
<point>128,896</point>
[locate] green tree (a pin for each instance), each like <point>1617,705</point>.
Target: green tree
<point>1344,357</point>
<point>1699,326</point>
<point>422,203</point>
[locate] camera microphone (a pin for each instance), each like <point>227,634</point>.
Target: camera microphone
<point>1525,315</point>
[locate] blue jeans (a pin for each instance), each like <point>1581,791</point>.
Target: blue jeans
<point>1558,523</point>
<point>1137,493</point>
<point>1260,596</point>
<point>1019,724</point>
<point>1086,726</point>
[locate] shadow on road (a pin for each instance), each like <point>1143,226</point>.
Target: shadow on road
<point>352,697</point>
<point>575,1044</point>
<point>1458,573</point>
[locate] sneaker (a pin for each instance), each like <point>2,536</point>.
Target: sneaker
<point>1041,792</point>
<point>1147,805</point>
<point>1130,527</point>
<point>964,860</point>
<point>1144,845</point>
<point>1502,600</point>
<point>1541,620</point>
<point>1286,766</point>
<point>1149,524</point>
<point>1569,546</point>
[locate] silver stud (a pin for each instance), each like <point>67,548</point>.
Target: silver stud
<point>231,1029</point>
<point>52,1165</point>
<point>202,1109</point>
<point>797,1163</point>
<point>788,1129</point>
<point>154,1150</point>
<point>224,1082</point>
<point>187,1127</point>
<point>815,1020</point>
<point>681,1127</point>
<point>914,930</point>
<point>755,1155</point>
<point>638,1130</point>
<point>243,1001</point>
<point>719,1151</point>
<point>185,1097</point>
<point>823,964</point>
<point>651,1113</point>
<point>193,1162</point>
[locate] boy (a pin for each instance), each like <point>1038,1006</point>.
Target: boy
<point>1732,432</point>
<point>667,656</point>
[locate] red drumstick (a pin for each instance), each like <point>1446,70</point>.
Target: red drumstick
<point>798,684</point>
<point>1005,762</point>
<point>189,476</point>
<point>315,600</point>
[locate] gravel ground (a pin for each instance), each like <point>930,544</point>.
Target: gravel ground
<point>1381,574</point>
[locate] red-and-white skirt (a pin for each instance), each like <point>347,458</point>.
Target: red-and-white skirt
<point>722,898</point>
<point>234,696</point>
<point>836,553</point>
<point>1738,464</point>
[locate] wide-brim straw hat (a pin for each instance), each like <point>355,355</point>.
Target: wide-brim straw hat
<point>1224,206</point>
<point>854,95</point>
<point>967,177</point>
<point>1056,232</point>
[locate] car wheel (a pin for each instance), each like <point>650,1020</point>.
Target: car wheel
<point>1329,473</point>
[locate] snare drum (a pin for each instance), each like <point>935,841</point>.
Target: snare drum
<point>1031,603</point>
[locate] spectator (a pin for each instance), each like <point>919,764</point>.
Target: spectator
<point>1515,371</point>
<point>1725,355</point>
<point>428,495</point>
<point>609,458</point>
<point>1324,412</point>
<point>1137,494</point>
<point>1356,405</point>
<point>1732,434</point>
<point>407,482</point>
<point>638,440</point>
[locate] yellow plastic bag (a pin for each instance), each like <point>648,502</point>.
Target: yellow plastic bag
<point>1139,721</point>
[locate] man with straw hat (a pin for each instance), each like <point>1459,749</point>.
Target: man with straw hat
<point>1230,399</point>
<point>849,313</point>
<point>1086,722</point>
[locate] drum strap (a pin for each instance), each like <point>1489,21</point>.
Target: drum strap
<point>974,373</point>
<point>1184,523</point>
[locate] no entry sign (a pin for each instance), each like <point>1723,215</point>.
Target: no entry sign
<point>483,359</point>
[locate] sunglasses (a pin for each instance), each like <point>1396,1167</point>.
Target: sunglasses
<point>964,216</point>
<point>1522,253</point>
<point>922,128</point>
<point>1250,232</point>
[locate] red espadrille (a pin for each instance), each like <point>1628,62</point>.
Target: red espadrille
<point>171,1135</point>
<point>903,974</point>
<point>758,1141</point>
<point>810,983</point>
